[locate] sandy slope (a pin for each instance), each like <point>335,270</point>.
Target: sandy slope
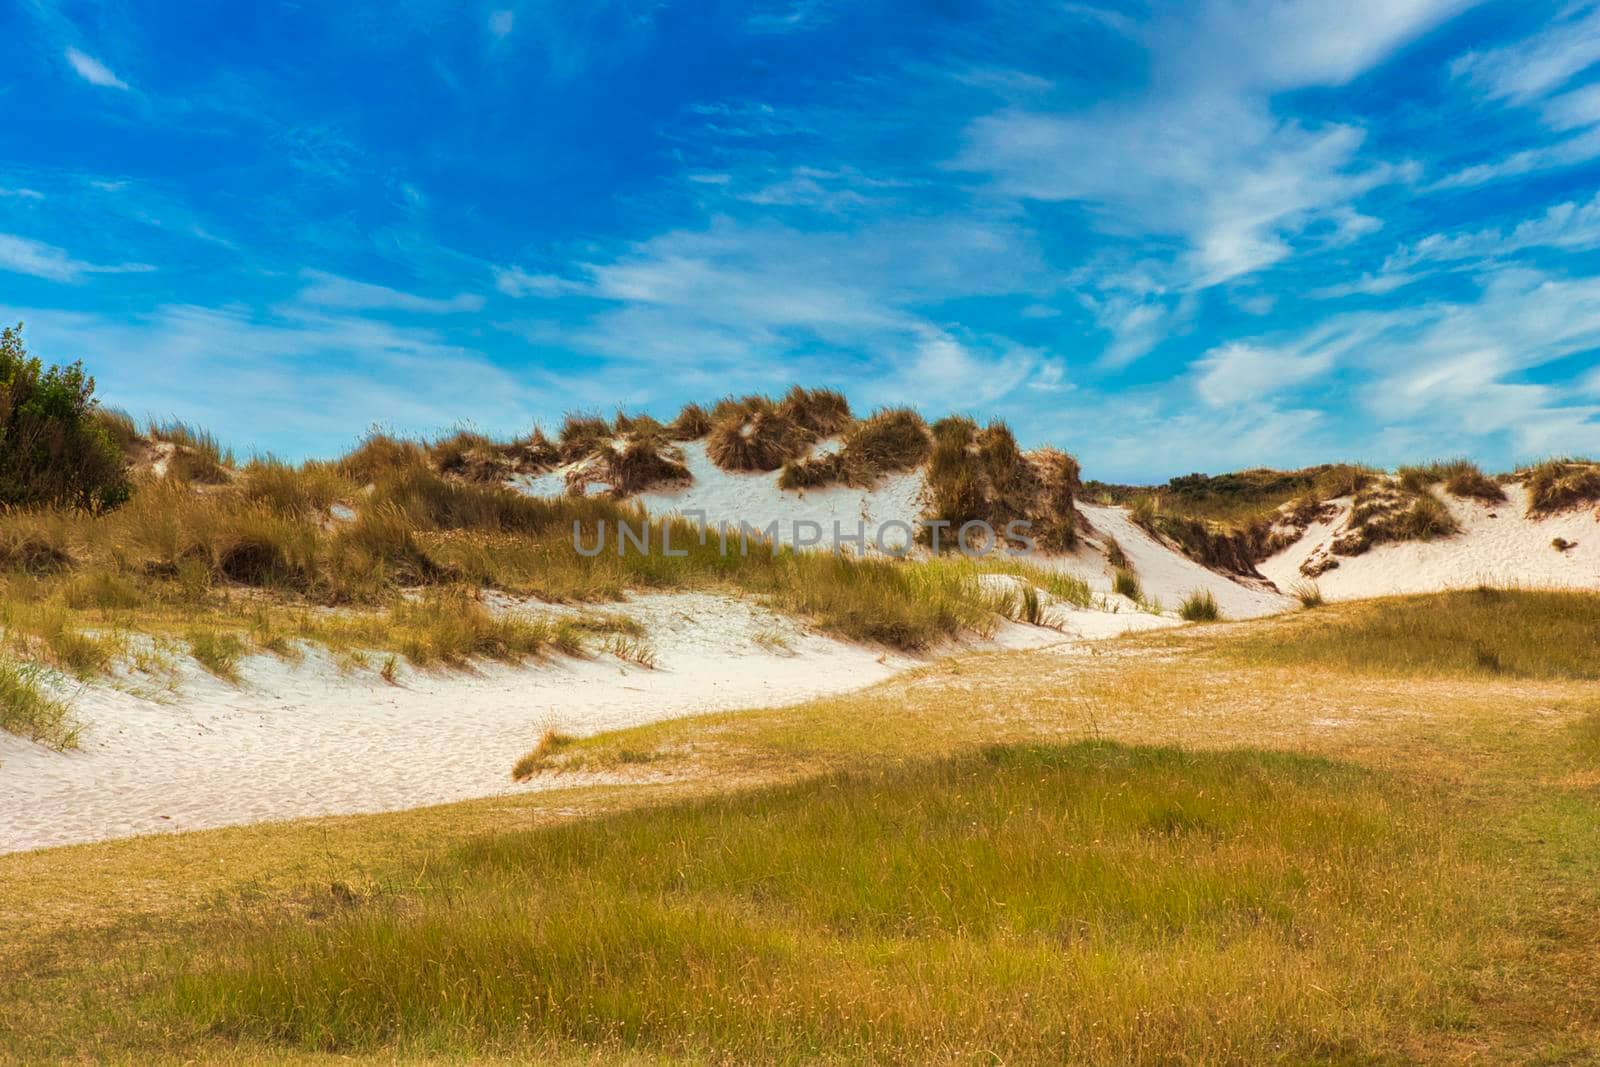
<point>1498,545</point>
<point>309,739</point>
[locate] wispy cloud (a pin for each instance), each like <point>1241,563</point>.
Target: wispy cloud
<point>333,291</point>
<point>92,70</point>
<point>23,255</point>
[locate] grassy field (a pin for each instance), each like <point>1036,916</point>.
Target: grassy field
<point>1230,843</point>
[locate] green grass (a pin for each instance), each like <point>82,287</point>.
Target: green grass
<point>1126,583</point>
<point>217,651</point>
<point>1507,632</point>
<point>1199,606</point>
<point>26,710</point>
<point>1093,901</point>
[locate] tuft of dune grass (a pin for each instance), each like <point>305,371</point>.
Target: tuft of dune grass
<point>1126,583</point>
<point>822,412</point>
<point>1460,478</point>
<point>26,710</point>
<point>692,423</point>
<point>1560,485</point>
<point>888,441</point>
<point>757,436</point>
<point>1199,606</point>
<point>551,742</point>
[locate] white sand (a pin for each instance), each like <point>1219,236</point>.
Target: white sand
<point>1498,545</point>
<point>303,739</point>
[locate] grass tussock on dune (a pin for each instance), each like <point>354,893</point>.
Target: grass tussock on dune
<point>1459,477</point>
<point>1385,513</point>
<point>979,475</point>
<point>27,710</point>
<point>1086,902</point>
<point>755,434</point>
<point>887,442</point>
<point>1512,633</point>
<point>1560,484</point>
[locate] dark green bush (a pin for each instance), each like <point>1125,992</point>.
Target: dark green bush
<point>53,446</point>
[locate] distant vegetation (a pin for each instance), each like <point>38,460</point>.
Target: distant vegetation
<point>1233,521</point>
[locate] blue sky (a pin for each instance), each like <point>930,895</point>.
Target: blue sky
<point>1168,237</point>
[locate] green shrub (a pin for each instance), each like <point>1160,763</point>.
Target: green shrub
<point>54,448</point>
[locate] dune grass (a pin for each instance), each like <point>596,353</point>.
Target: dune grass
<point>1126,583</point>
<point>1560,484</point>
<point>1199,606</point>
<point>1459,477</point>
<point>1512,633</point>
<point>27,710</point>
<point>787,925</point>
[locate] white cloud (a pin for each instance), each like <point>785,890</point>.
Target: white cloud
<point>1573,226</point>
<point>22,194</point>
<point>516,282</point>
<point>93,71</point>
<point>23,255</point>
<point>332,291</point>
<point>1199,154</point>
<point>1448,377</point>
<point>1238,374</point>
<point>1538,72</point>
<point>501,23</point>
<point>1540,64</point>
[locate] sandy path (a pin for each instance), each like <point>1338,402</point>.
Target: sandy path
<point>303,739</point>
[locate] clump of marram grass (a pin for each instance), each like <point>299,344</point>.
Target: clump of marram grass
<point>889,441</point>
<point>197,456</point>
<point>641,457</point>
<point>1560,485</point>
<point>471,455</point>
<point>1309,593</point>
<point>756,438</point>
<point>1125,583</point>
<point>218,651</point>
<point>1199,606</point>
<point>534,452</point>
<point>379,454</point>
<point>1461,478</point>
<point>822,412</point>
<point>550,742</point>
<point>302,492</point>
<point>26,710</point>
<point>1384,513</point>
<point>581,434</point>
<point>692,423</point>
<point>980,475</point>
